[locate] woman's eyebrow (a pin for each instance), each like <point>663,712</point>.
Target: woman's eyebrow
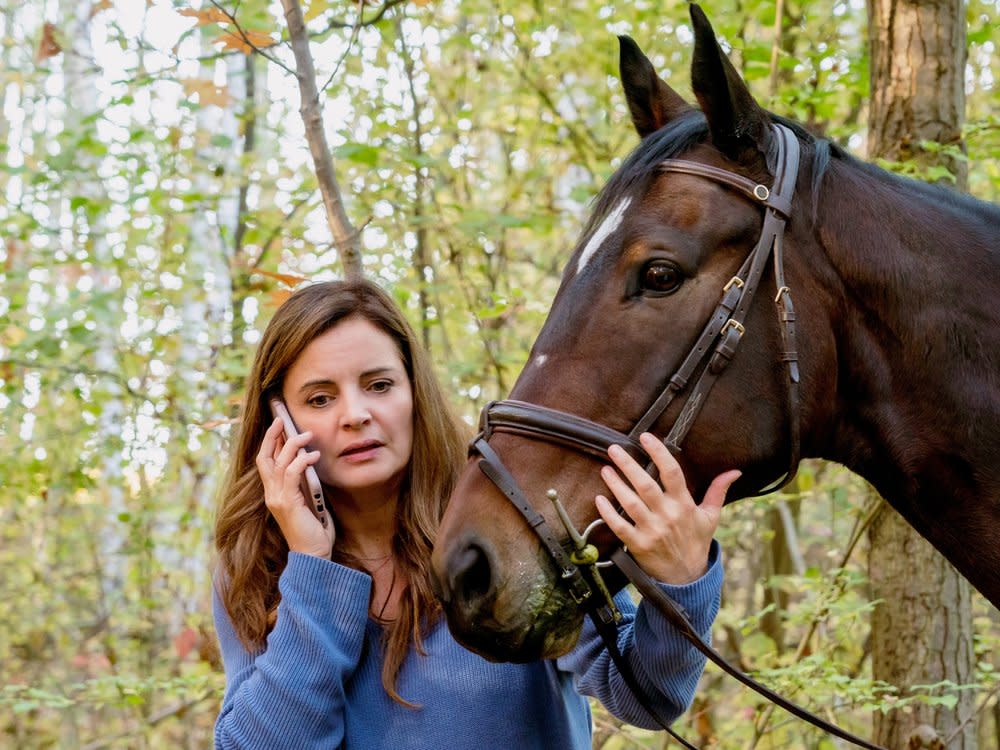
<point>387,369</point>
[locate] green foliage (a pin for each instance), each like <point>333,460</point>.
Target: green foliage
<point>469,138</point>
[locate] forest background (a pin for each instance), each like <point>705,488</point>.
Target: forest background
<point>159,203</point>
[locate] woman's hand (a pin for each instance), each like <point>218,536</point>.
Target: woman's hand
<point>668,535</point>
<point>281,469</point>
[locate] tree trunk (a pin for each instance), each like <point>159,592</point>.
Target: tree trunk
<point>917,81</point>
<point>922,626</point>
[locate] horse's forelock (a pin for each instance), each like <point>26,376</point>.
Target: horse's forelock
<point>632,178</point>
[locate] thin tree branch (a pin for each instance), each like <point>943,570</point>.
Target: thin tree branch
<point>420,186</point>
<point>779,17</point>
<point>965,722</point>
<point>344,235</point>
<point>118,378</point>
<point>874,506</point>
<point>157,718</point>
<point>371,22</point>
<point>249,143</point>
<point>276,230</point>
<point>350,45</point>
<point>246,40</point>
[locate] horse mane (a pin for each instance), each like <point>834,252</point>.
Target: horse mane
<point>961,203</point>
<point>638,169</point>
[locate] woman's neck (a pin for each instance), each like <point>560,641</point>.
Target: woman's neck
<point>366,524</point>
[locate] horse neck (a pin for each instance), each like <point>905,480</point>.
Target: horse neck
<point>916,409</point>
<point>918,345</point>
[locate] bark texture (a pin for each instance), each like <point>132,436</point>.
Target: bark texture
<point>922,626</point>
<point>917,79</point>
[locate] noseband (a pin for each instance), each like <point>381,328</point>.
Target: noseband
<point>705,362</point>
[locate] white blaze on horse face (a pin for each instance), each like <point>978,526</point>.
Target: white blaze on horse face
<point>611,222</point>
<point>540,359</point>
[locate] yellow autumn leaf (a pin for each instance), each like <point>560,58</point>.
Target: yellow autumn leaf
<point>48,46</point>
<point>208,93</point>
<point>314,10</point>
<point>245,42</point>
<point>99,6</point>
<point>205,16</point>
<point>12,335</point>
<point>285,278</point>
<point>213,423</point>
<point>276,298</point>
<point>259,39</point>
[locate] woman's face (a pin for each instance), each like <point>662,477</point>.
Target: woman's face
<point>350,387</point>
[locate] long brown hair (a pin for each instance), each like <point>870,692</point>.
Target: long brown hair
<point>251,548</point>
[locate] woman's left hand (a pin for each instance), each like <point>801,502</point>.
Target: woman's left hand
<point>669,535</point>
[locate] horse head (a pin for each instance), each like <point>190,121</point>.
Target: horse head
<point>660,251</point>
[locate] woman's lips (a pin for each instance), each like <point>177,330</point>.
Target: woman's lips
<point>358,452</point>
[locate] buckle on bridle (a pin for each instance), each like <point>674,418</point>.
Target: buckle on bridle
<point>734,324</point>
<point>585,555</point>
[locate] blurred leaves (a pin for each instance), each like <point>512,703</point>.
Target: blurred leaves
<point>155,215</point>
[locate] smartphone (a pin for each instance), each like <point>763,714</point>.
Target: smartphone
<point>313,488</point>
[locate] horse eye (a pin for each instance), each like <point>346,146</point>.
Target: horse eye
<point>661,277</point>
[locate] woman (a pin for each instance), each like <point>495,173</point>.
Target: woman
<point>330,635</point>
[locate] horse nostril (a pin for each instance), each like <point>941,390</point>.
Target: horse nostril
<point>471,576</point>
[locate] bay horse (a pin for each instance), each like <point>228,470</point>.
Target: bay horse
<point>889,363</point>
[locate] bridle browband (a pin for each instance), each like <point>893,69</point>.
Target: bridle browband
<point>705,362</point>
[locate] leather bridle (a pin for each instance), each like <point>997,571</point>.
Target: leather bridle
<point>712,351</point>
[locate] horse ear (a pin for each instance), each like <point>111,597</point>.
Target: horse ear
<point>736,121</point>
<point>651,101</point>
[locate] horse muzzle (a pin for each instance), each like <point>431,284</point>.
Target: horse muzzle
<point>523,617</point>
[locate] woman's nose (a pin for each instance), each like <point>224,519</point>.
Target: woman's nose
<point>355,411</point>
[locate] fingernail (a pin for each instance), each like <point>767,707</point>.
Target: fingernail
<point>614,449</point>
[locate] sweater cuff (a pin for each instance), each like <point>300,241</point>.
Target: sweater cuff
<point>318,585</point>
<point>700,599</point>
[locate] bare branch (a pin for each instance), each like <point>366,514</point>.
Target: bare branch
<point>370,22</point>
<point>276,231</point>
<point>344,235</point>
<point>246,40</point>
<point>177,710</point>
<point>116,377</point>
<point>350,45</point>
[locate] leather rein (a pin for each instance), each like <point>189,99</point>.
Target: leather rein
<point>576,558</point>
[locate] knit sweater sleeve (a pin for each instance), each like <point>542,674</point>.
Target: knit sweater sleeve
<point>290,694</point>
<point>665,665</point>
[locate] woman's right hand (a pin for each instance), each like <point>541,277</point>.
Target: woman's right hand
<point>281,470</point>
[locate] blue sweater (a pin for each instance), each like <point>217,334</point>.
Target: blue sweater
<point>317,682</point>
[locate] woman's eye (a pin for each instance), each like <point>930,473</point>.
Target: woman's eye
<point>660,277</point>
<point>319,400</point>
<point>381,386</point>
